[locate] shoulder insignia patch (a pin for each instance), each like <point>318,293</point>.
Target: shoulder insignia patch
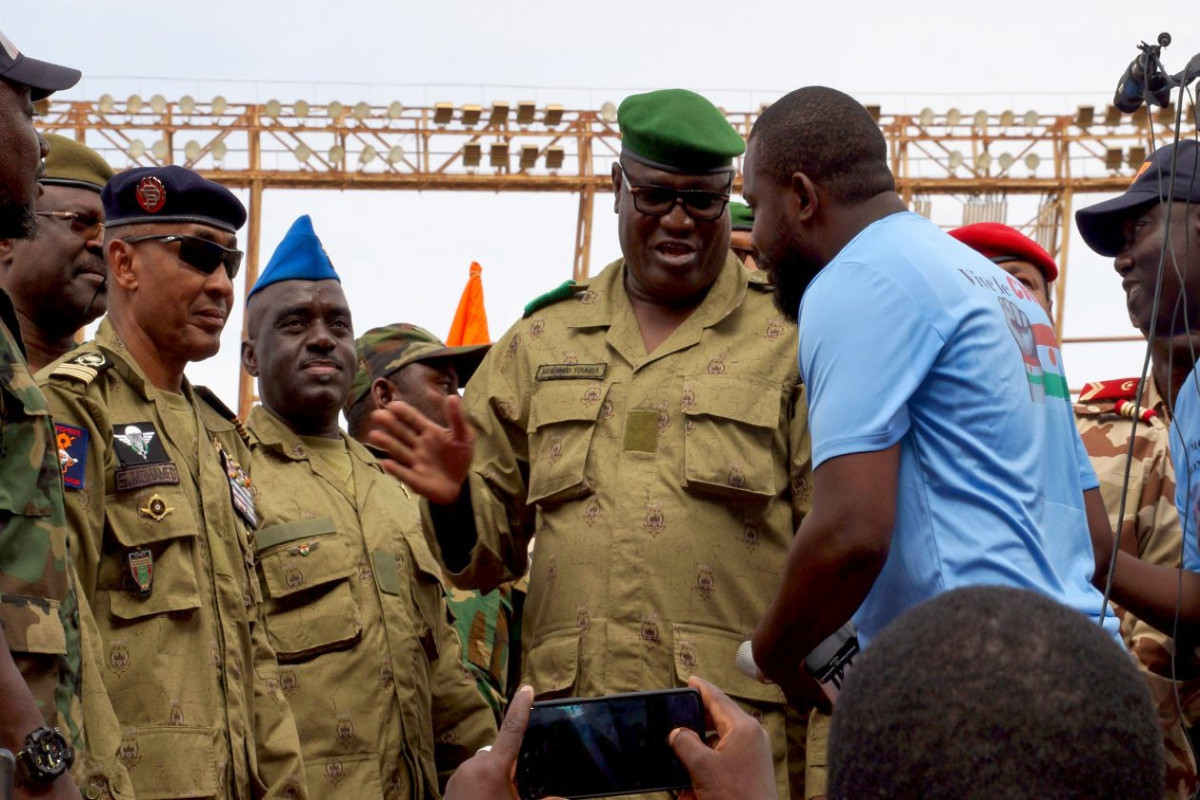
<point>84,367</point>
<point>558,294</point>
<point>1120,389</point>
<point>72,454</point>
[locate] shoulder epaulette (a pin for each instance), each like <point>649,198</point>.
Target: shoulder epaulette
<point>557,294</point>
<point>1120,389</point>
<point>84,368</point>
<point>209,396</point>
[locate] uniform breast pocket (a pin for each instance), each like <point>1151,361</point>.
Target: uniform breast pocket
<point>306,569</point>
<point>562,420</point>
<point>155,569</point>
<point>28,437</point>
<point>732,425</point>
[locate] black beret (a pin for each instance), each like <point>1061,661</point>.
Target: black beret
<point>170,194</point>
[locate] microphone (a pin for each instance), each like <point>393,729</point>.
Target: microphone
<point>1144,80</point>
<point>829,662</point>
<point>745,663</point>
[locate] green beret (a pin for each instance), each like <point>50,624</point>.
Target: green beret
<point>73,164</point>
<point>677,131</point>
<point>741,215</point>
<point>384,351</point>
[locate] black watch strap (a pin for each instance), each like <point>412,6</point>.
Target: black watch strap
<point>46,755</point>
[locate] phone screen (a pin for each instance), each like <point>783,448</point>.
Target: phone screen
<point>604,746</point>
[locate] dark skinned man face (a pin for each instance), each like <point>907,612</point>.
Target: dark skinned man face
<point>22,149</point>
<point>301,349</point>
<point>1137,264</point>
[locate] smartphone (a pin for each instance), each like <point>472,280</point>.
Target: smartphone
<point>580,747</point>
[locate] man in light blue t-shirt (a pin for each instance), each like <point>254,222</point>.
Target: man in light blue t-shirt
<point>944,448</point>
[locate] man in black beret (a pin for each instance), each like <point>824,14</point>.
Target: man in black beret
<point>57,281</point>
<point>161,507</point>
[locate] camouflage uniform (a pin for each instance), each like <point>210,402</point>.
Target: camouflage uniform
<point>664,489</point>
<point>482,622</point>
<point>1104,417</point>
<point>39,609</point>
<point>164,558</point>
<point>356,614</point>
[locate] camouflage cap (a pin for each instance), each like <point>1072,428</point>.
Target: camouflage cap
<point>383,351</point>
<point>71,163</point>
<point>677,131</point>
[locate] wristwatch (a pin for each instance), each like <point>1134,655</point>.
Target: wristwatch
<point>45,756</point>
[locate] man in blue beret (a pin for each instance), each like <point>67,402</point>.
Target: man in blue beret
<point>648,426</point>
<point>354,601</point>
<point>160,504</point>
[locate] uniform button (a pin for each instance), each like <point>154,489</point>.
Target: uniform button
<point>95,789</point>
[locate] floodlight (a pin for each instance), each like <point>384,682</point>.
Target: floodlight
<point>300,108</point>
<point>219,151</point>
<point>1113,157</point>
<point>1112,116</point>
<point>362,110</point>
<point>1007,118</point>
<point>336,154</point>
<point>1006,161</point>
<point>1030,119</point>
<point>553,115</point>
<point>525,111</point>
<point>1085,116</point>
<point>1137,155</point>
<point>472,154</point>
<point>1032,161</point>
<point>926,118</point>
<point>608,112</point>
<point>499,154</point>
<point>335,110</point>
<point>554,157</point>
<point>218,105</point>
<point>395,109</point>
<point>187,104</point>
<point>955,160</point>
<point>106,104</point>
<point>395,155</point>
<point>160,150</point>
<point>443,113</point>
<point>302,152</point>
<point>191,150</point>
<point>367,155</point>
<point>1166,114</point>
<point>158,104</point>
<point>499,112</point>
<point>983,161</point>
<point>137,148</point>
<point>471,114</point>
<point>953,116</point>
<point>273,108</point>
<point>981,119</point>
<point>529,154</point>
<point>134,104</point>
<point>874,111</point>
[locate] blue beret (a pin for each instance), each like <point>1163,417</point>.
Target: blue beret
<point>299,257</point>
<point>170,194</point>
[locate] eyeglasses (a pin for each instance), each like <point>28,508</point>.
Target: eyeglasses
<point>657,201</point>
<point>89,226</point>
<point>202,254</point>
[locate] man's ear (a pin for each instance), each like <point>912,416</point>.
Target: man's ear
<point>249,358</point>
<point>616,184</point>
<point>805,197</point>
<point>383,392</point>
<point>6,253</point>
<point>121,268</point>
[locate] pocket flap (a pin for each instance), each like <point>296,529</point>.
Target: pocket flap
<point>565,401</point>
<point>291,531</point>
<point>303,562</point>
<point>170,762</point>
<point>553,663</point>
<point>152,515</point>
<point>32,625</point>
<point>734,397</point>
<point>712,654</point>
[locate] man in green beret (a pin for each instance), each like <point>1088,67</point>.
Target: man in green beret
<point>648,426</point>
<point>741,218</point>
<point>57,280</point>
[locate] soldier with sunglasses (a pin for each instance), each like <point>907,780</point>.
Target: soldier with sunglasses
<point>161,508</point>
<point>57,280</point>
<point>647,426</point>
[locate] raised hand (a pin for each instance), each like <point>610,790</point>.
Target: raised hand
<point>430,459</point>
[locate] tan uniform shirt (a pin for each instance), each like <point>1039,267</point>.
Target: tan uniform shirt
<point>356,612</point>
<point>165,560</point>
<point>664,489</point>
<point>1103,416</point>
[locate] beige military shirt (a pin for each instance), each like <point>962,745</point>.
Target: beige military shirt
<point>664,489</point>
<point>1104,418</point>
<point>356,612</point>
<point>161,521</point>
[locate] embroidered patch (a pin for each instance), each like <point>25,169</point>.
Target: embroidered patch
<point>138,477</point>
<point>72,454</point>
<point>566,372</point>
<point>137,443</point>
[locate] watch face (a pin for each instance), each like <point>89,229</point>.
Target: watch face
<point>46,755</point>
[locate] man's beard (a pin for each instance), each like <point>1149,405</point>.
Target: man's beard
<point>17,221</point>
<point>790,278</point>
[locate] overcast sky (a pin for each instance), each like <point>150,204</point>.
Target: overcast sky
<point>404,256</point>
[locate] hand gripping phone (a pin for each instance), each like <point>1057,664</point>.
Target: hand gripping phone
<point>580,747</point>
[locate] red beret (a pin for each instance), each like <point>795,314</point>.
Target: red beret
<point>998,241</point>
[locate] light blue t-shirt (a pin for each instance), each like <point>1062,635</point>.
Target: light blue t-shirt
<point>1185,456</point>
<point>910,336</point>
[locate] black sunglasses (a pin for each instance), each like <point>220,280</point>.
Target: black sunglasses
<point>657,201</point>
<point>89,226</point>
<point>202,254</point>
